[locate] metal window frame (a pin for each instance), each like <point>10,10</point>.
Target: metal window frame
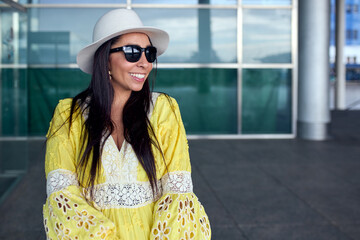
<point>16,6</point>
<point>239,65</point>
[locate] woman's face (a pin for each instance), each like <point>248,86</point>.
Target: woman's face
<point>127,76</point>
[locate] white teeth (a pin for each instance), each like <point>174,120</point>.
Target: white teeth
<point>137,75</point>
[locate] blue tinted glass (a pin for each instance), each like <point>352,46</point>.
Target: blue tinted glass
<point>196,35</point>
<point>266,101</point>
<point>13,36</point>
<point>72,1</point>
<point>57,40</point>
<point>267,2</point>
<point>194,2</point>
<point>267,36</point>
<point>13,102</point>
<point>207,98</point>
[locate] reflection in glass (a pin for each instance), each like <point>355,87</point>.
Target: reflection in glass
<point>13,36</point>
<point>207,98</point>
<point>192,2</point>
<point>267,36</point>
<point>57,40</point>
<point>71,1</point>
<point>266,101</point>
<point>13,102</point>
<point>13,79</point>
<point>267,2</point>
<point>46,86</point>
<point>196,35</point>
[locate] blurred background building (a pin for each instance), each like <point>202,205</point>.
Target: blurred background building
<point>232,65</point>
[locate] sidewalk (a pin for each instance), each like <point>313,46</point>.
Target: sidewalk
<point>251,189</point>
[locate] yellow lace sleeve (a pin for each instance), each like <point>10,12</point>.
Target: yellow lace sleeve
<point>66,213</point>
<point>178,214</point>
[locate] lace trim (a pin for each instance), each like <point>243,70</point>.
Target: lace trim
<point>60,179</point>
<point>138,194</point>
<point>124,195</point>
<point>177,182</point>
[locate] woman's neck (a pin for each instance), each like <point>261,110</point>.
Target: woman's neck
<point>120,99</point>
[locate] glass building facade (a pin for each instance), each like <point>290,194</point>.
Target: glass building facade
<point>230,64</point>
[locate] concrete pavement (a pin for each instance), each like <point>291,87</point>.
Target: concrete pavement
<point>251,189</point>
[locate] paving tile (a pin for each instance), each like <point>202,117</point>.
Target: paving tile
<point>217,213</point>
<point>352,230</point>
<point>251,189</point>
<point>294,232</point>
<point>10,150</point>
<point>227,232</point>
<point>25,202</point>
<point>330,195</point>
<point>23,235</point>
<point>252,197</point>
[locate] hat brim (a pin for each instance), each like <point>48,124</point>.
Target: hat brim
<point>158,37</point>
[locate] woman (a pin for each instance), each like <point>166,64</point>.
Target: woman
<point>117,161</point>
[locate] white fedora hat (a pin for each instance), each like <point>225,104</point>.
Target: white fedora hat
<point>116,23</point>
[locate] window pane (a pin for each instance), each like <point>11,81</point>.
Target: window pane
<point>267,2</point>
<point>13,102</point>
<point>266,101</point>
<point>72,1</point>
<point>13,36</point>
<point>194,2</point>
<point>267,36</point>
<point>57,40</point>
<point>213,42</point>
<point>207,98</point>
<point>46,87</point>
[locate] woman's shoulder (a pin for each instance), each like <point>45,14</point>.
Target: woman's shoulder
<point>164,101</point>
<point>64,105</point>
<point>166,110</point>
<point>63,108</point>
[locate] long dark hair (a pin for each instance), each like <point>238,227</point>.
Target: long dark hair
<point>96,101</point>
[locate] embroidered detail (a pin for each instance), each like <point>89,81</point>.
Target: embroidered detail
<point>164,205</point>
<point>103,232</point>
<point>46,227</point>
<point>188,235</point>
<point>60,179</point>
<point>62,232</point>
<point>162,231</point>
<point>62,202</point>
<point>119,167</point>
<point>84,219</point>
<point>121,195</point>
<point>205,226</point>
<point>186,211</point>
<point>177,182</point>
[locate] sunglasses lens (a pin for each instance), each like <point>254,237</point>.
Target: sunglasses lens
<point>150,53</point>
<point>132,53</point>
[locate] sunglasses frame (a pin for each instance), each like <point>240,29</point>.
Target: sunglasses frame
<point>128,55</point>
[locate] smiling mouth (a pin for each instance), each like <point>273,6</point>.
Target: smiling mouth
<point>138,75</point>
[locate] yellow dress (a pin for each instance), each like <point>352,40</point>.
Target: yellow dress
<point>124,206</point>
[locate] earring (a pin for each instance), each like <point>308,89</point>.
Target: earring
<point>110,74</point>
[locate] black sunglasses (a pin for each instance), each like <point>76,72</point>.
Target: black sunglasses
<point>133,52</point>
